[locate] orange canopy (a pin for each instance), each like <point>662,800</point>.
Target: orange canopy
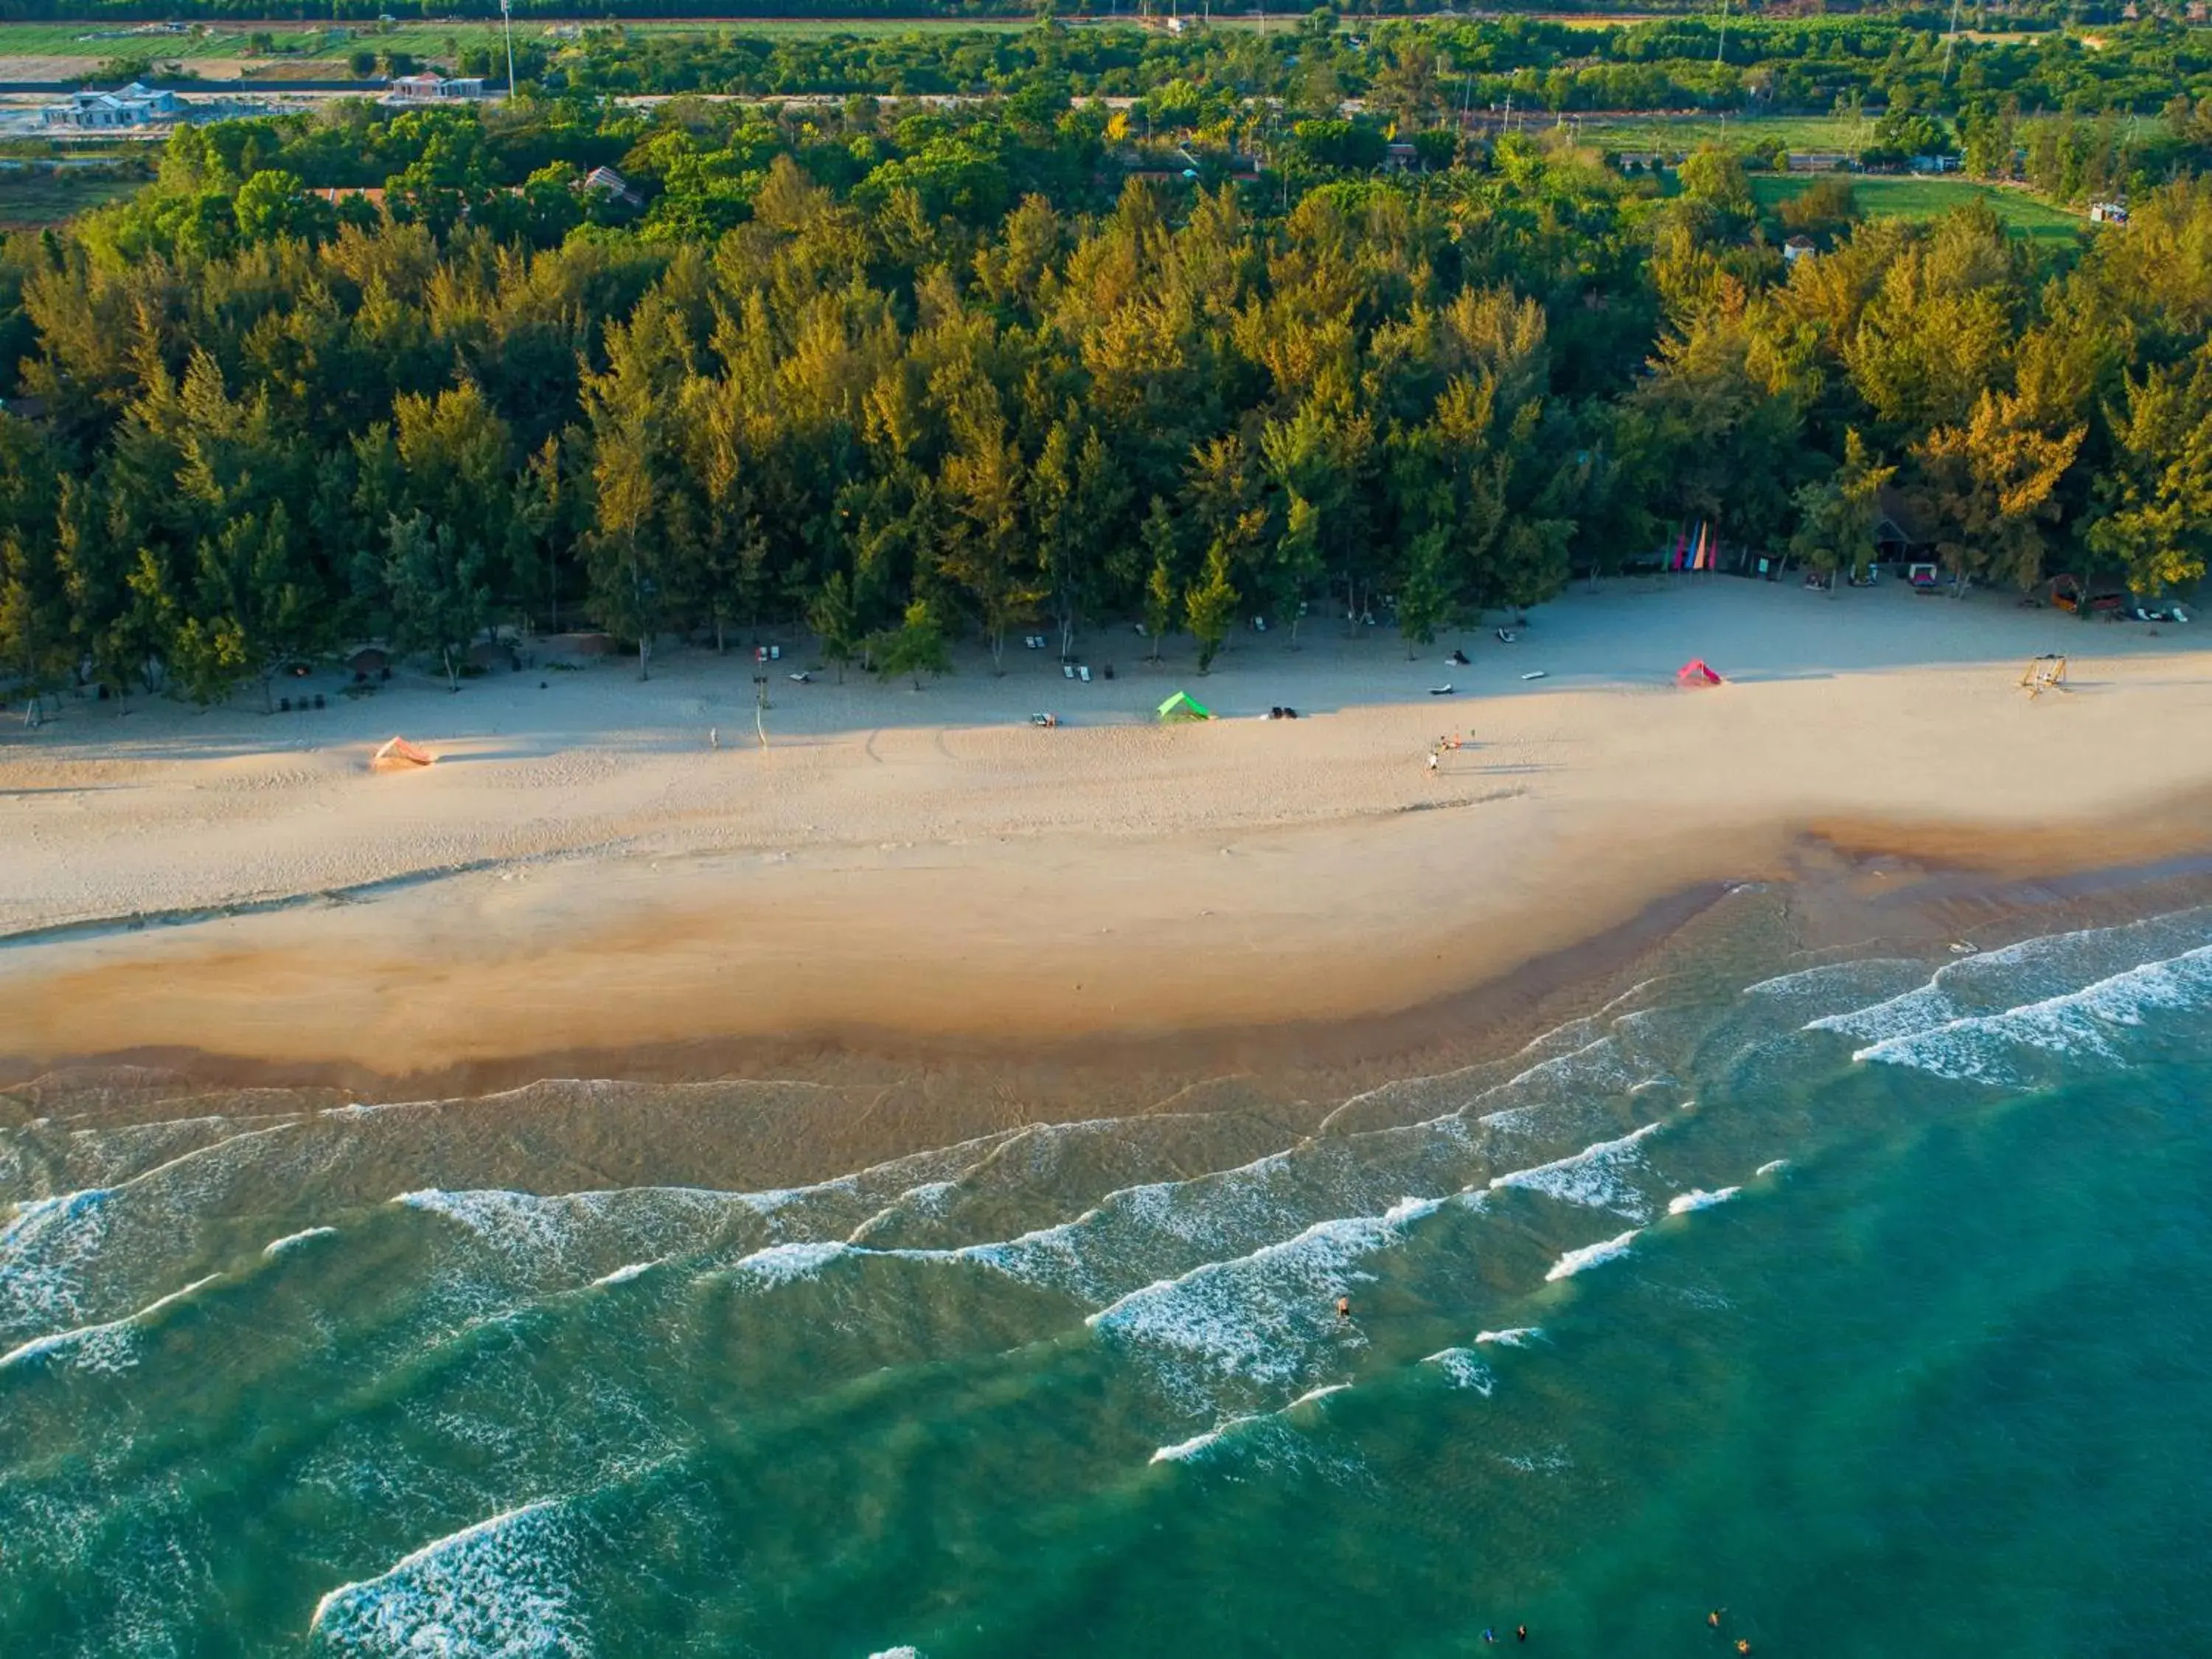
<point>399,753</point>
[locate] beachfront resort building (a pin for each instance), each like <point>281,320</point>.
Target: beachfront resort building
<point>135,106</point>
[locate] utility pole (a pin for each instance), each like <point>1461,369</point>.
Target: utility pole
<point>506,16</point>
<point>1950,42</point>
<point>1721,57</point>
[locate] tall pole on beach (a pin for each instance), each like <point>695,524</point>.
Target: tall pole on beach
<point>506,16</point>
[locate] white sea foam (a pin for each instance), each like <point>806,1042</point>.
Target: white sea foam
<point>500,1587</point>
<point>111,1346</point>
<point>1594,1176</point>
<point>781,1264</point>
<point>1807,981</point>
<point>1592,1255</point>
<point>43,1250</point>
<point>623,1275</point>
<point>1465,1369</point>
<point>1320,1393</point>
<point>2074,1023</point>
<point>277,1247</point>
<point>1552,1459</point>
<point>1519,1337</point>
<point>1260,1316</point>
<point>2042,963</point>
<point>1699,1199</point>
<point>1774,1168</point>
<point>896,1653</point>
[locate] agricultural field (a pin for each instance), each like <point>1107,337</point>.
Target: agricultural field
<point>1881,197</point>
<point>1685,132</point>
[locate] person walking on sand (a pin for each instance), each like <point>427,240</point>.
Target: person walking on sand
<point>1432,762</point>
<point>713,736</point>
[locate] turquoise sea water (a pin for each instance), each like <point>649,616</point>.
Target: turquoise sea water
<point>1867,1302</point>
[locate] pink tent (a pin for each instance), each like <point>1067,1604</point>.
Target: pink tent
<point>1695,672</point>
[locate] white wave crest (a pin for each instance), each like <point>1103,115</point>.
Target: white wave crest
<point>1595,1176</point>
<point>1519,1337</point>
<point>1699,1199</point>
<point>1776,1167</point>
<point>2073,1023</point>
<point>112,1346</point>
<point>1258,1316</point>
<point>623,1274</point>
<point>781,1264</point>
<point>1592,1255</point>
<point>497,1588</point>
<point>277,1247</point>
<point>1184,1450</point>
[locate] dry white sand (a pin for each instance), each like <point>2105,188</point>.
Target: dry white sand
<point>580,869</point>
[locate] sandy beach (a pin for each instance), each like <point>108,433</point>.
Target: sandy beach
<point>581,871</point>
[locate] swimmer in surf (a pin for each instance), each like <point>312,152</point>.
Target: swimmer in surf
<point>1343,1308</point>
<point>1520,1633</point>
<point>1713,1619</point>
<point>1742,1645</point>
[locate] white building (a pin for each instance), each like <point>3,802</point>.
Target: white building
<point>433,89</point>
<point>2108,213</point>
<point>136,105</point>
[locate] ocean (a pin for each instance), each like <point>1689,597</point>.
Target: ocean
<point>1862,1303</point>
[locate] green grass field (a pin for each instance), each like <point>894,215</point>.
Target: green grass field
<point>1685,132</point>
<point>1885,197</point>
<point>31,201</point>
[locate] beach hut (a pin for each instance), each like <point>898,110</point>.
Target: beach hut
<point>398,754</point>
<point>1184,706</point>
<point>1696,673</point>
<point>368,662</point>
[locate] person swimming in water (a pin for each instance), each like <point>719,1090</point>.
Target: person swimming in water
<point>1520,1633</point>
<point>1343,1308</point>
<point>1713,1619</point>
<point>1490,1633</point>
<point>1743,1644</point>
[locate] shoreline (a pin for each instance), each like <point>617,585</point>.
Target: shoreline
<point>792,1112</point>
<point>580,883</point>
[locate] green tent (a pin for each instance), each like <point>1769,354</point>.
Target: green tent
<point>1184,706</point>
